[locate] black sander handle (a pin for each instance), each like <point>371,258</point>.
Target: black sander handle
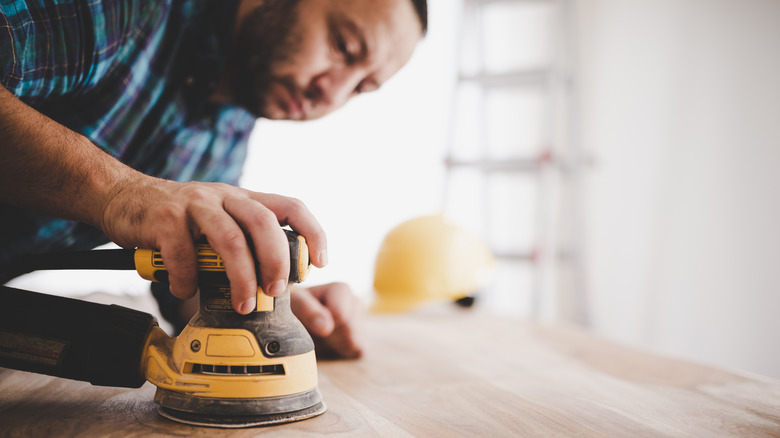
<point>64,337</point>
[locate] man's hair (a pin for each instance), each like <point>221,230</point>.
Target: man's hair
<point>421,7</point>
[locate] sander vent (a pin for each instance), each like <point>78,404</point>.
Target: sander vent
<point>238,370</point>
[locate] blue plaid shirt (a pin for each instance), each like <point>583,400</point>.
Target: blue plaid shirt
<point>134,76</point>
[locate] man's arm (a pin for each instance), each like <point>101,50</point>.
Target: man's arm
<point>47,168</point>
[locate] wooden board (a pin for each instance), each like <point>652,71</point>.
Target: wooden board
<point>448,374</point>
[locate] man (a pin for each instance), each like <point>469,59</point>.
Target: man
<point>109,111</point>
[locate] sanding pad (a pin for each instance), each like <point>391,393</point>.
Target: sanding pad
<point>241,421</point>
<point>239,413</point>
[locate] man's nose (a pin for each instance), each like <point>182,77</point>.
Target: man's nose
<point>333,88</point>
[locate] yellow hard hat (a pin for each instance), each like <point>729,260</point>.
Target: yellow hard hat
<point>426,259</point>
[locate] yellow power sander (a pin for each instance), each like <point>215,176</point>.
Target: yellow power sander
<point>223,370</point>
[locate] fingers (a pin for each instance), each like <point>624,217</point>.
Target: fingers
<point>169,215</point>
<point>271,247</point>
<point>292,212</point>
<point>178,252</point>
<point>227,216</point>
<point>227,238</point>
<point>317,319</point>
<point>316,307</point>
<point>338,299</point>
<point>260,216</point>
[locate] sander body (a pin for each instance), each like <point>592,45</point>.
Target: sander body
<point>223,370</point>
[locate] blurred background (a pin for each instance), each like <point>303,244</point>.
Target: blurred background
<point>621,158</point>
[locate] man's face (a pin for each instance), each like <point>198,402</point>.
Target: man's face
<point>302,59</point>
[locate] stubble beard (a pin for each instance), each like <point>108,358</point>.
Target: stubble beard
<point>265,39</point>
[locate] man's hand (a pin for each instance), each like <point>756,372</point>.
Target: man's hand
<point>47,168</point>
<point>169,216</point>
<point>332,314</point>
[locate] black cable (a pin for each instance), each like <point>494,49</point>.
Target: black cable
<point>102,259</point>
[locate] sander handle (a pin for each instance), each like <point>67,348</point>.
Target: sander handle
<point>148,262</point>
<point>211,270</point>
<point>64,337</point>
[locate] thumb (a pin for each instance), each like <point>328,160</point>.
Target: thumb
<point>314,315</point>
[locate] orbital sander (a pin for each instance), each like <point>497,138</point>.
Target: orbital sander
<point>223,370</point>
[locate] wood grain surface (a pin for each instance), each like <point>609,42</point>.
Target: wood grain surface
<point>448,374</point>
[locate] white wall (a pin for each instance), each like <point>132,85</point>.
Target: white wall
<point>680,105</point>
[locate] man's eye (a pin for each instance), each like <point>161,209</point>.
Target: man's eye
<point>343,47</point>
<point>366,87</point>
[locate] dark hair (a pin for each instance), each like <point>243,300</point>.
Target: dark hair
<point>421,7</point>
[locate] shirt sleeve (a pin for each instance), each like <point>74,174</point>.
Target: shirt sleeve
<point>50,49</point>
<point>10,70</point>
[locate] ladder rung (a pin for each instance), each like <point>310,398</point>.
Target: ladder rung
<point>529,256</point>
<point>505,165</point>
<point>535,77</point>
<point>488,2</point>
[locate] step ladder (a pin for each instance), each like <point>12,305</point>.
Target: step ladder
<point>513,165</point>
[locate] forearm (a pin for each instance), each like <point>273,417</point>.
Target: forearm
<point>47,168</point>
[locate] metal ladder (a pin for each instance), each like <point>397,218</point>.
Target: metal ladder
<point>552,165</point>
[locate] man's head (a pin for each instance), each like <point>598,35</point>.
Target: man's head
<point>302,59</point>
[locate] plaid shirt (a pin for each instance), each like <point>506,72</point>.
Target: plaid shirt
<point>134,76</point>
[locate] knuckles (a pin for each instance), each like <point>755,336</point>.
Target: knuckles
<point>262,217</point>
<point>272,268</point>
<point>196,192</point>
<point>233,241</point>
<point>168,213</point>
<point>296,206</point>
<point>184,270</point>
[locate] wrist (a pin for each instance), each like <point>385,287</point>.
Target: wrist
<point>124,202</point>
